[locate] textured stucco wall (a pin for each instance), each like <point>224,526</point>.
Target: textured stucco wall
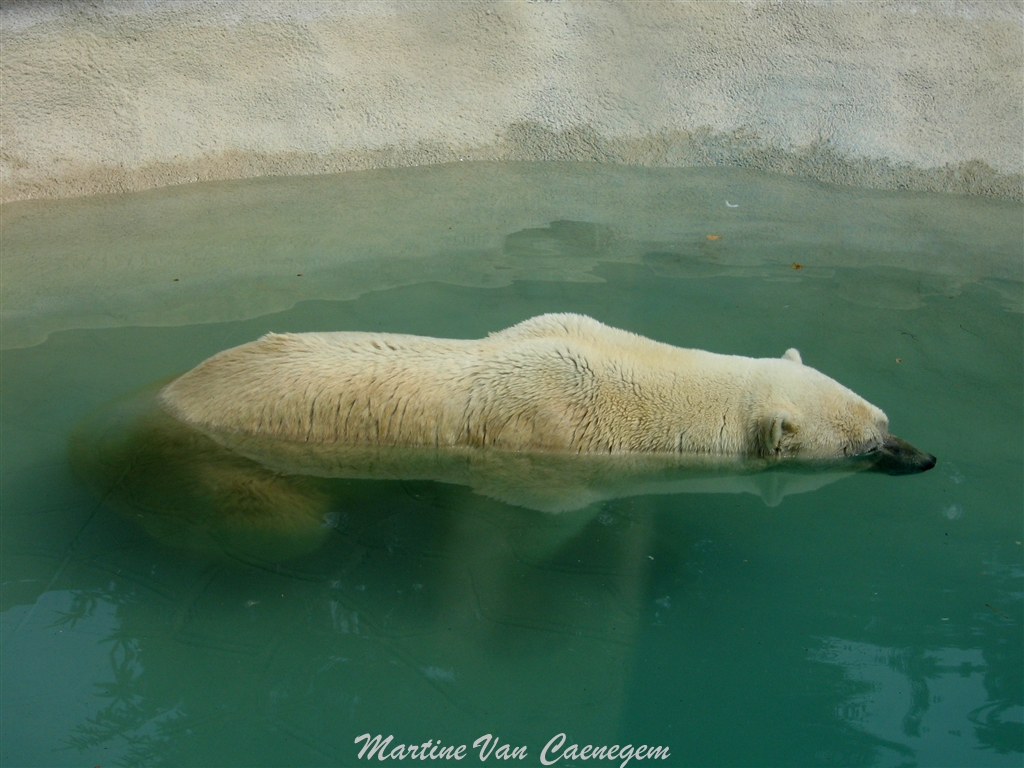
<point>100,97</point>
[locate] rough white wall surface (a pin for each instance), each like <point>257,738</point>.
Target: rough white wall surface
<point>116,96</point>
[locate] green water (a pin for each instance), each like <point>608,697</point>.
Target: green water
<point>875,620</point>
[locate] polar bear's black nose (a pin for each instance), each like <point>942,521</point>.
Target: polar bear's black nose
<point>898,457</point>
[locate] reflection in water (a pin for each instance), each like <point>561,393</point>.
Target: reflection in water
<point>270,498</point>
<point>135,722</point>
<point>912,700</point>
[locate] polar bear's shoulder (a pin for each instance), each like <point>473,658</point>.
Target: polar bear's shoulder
<point>557,325</point>
<point>569,327</point>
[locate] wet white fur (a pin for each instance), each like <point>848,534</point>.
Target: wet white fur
<point>559,382</point>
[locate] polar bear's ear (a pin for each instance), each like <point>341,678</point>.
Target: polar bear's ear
<point>774,427</point>
<point>792,354</point>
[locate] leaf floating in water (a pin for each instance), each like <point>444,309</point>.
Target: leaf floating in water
<point>797,266</point>
<point>714,237</point>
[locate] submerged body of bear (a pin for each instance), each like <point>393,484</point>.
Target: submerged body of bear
<point>562,382</point>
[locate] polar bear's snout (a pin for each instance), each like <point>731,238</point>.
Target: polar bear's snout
<point>898,457</point>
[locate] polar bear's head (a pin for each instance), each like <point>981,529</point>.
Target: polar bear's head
<point>807,415</point>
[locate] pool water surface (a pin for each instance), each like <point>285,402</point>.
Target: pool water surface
<point>873,620</point>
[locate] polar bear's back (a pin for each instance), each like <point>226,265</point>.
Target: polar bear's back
<point>515,389</point>
<point>586,332</point>
<point>554,382</point>
<point>327,387</point>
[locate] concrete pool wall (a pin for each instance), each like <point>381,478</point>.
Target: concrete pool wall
<point>122,96</point>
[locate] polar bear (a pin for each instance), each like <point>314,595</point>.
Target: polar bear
<point>558,382</point>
